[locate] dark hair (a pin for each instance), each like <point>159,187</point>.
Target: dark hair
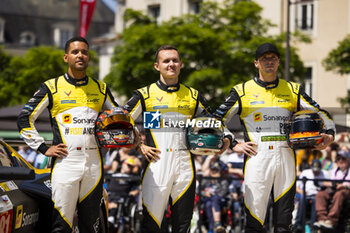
<point>166,47</point>
<point>334,146</point>
<point>73,39</point>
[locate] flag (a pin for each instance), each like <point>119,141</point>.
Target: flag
<point>86,11</point>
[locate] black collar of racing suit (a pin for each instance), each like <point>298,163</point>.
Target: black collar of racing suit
<point>76,82</point>
<point>267,85</point>
<point>168,88</point>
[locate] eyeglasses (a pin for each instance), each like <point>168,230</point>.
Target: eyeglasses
<point>265,59</point>
<point>340,158</point>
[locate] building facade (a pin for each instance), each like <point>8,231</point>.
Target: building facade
<point>24,24</point>
<point>324,21</point>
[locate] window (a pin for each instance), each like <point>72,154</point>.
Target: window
<point>2,29</point>
<point>304,17</point>
<point>27,38</point>
<point>308,81</point>
<point>62,33</point>
<point>194,6</point>
<point>154,11</point>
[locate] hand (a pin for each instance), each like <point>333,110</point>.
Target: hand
<point>340,186</point>
<point>227,143</point>
<point>150,153</point>
<point>57,151</point>
<point>326,140</point>
<point>246,148</point>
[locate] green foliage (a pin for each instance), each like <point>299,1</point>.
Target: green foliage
<point>22,76</point>
<point>345,102</point>
<point>338,60</point>
<point>217,47</point>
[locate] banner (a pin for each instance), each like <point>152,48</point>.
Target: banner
<point>86,11</point>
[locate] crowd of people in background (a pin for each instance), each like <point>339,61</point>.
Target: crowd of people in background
<point>216,193</point>
<point>36,159</point>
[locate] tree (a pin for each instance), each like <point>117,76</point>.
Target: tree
<point>23,75</point>
<point>217,47</point>
<point>338,60</point>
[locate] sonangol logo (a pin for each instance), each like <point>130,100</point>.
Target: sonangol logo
<point>66,118</point>
<point>257,116</point>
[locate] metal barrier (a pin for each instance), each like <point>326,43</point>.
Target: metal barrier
<point>304,180</point>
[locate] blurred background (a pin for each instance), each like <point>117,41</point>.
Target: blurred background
<point>216,40</point>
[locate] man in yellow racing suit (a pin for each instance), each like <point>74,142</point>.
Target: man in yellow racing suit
<point>166,105</point>
<point>263,104</point>
<point>74,102</point>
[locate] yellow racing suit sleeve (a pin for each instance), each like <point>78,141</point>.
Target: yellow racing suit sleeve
<point>134,105</point>
<point>307,103</point>
<point>109,101</point>
<point>27,117</point>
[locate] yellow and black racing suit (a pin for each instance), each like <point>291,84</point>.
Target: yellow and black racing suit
<point>74,106</point>
<point>263,108</point>
<point>174,173</point>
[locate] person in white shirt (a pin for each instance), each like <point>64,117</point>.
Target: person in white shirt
<point>311,189</point>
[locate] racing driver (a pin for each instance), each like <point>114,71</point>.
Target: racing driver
<point>263,104</point>
<point>170,169</point>
<point>74,101</point>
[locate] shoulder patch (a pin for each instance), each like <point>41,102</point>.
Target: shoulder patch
<point>295,87</point>
<point>103,86</point>
<point>194,93</point>
<point>144,91</point>
<point>51,84</point>
<point>239,88</point>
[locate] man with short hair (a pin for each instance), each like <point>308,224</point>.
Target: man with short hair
<point>170,169</point>
<point>263,104</point>
<point>74,101</point>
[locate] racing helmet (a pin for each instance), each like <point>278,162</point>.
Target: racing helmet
<point>303,129</point>
<point>115,128</point>
<point>205,135</point>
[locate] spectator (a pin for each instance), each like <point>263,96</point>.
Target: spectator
<point>122,189</point>
<point>334,193</point>
<point>328,160</point>
<point>311,189</point>
<point>123,154</point>
<point>110,155</point>
<point>303,160</point>
<point>198,160</point>
<point>27,153</point>
<point>41,161</point>
<point>236,193</point>
<point>235,163</point>
<point>316,154</point>
<point>214,193</point>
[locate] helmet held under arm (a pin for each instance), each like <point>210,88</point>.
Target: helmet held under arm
<point>115,128</point>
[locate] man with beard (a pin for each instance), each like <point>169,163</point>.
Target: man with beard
<point>74,101</point>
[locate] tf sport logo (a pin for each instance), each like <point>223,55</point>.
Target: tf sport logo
<point>152,120</point>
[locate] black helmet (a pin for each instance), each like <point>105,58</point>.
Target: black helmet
<point>303,129</point>
<point>115,128</point>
